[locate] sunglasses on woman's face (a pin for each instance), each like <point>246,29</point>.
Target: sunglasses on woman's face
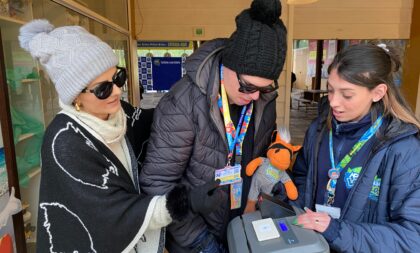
<point>104,89</point>
<point>248,88</point>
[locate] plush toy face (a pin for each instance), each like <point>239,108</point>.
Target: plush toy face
<point>281,153</point>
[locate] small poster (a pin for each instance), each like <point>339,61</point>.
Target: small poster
<point>160,73</point>
<point>166,72</point>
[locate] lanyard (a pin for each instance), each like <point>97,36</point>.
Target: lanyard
<point>234,135</point>
<point>334,172</point>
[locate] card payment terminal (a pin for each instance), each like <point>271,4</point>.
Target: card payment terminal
<point>242,231</point>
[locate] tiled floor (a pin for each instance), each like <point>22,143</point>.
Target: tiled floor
<point>299,118</point>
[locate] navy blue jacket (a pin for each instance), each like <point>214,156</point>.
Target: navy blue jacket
<point>345,136</point>
<point>391,221</point>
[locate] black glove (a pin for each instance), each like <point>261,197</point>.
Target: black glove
<point>206,198</point>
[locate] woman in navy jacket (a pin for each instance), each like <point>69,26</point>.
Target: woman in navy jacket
<point>358,174</point>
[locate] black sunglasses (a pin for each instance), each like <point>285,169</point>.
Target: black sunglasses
<point>250,88</point>
<point>104,89</point>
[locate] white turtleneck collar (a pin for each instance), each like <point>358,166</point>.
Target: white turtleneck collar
<point>110,130</point>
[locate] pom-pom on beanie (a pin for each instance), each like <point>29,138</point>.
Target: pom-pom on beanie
<point>259,44</point>
<point>72,56</point>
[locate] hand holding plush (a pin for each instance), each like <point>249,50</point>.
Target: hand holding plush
<point>268,171</point>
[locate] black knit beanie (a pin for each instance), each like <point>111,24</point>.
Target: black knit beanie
<point>259,44</point>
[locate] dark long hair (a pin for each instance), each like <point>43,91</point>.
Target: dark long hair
<point>368,66</point>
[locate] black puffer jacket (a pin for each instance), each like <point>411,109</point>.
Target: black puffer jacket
<point>188,140</point>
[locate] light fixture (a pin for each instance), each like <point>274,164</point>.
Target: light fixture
<point>299,2</point>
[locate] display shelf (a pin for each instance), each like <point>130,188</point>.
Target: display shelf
<point>25,136</point>
<point>34,172</point>
<point>25,98</point>
<point>27,81</point>
<point>6,19</point>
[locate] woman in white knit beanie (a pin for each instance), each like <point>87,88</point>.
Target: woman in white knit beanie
<point>90,199</point>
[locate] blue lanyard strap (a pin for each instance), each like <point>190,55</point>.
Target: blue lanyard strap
<point>238,129</point>
<point>334,172</point>
<point>234,135</point>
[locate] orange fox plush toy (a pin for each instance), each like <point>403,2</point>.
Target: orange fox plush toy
<point>272,169</point>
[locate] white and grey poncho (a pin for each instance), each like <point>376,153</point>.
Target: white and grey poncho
<point>88,202</point>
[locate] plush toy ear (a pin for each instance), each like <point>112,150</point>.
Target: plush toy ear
<point>274,136</point>
<point>296,148</point>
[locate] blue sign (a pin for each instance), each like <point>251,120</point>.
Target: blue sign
<point>166,72</point>
<point>160,73</point>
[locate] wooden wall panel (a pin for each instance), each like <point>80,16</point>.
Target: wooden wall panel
<point>411,67</point>
<point>356,19</point>
<point>352,16</point>
<point>325,19</point>
<point>184,32</point>
<point>359,3</point>
<point>352,31</point>
<point>176,20</point>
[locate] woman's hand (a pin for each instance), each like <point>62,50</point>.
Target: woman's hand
<point>318,221</point>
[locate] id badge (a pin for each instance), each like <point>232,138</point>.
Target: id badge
<point>236,195</point>
<point>229,175</point>
<point>334,212</point>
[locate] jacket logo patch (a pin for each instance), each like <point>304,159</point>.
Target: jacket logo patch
<point>374,193</point>
<point>351,176</point>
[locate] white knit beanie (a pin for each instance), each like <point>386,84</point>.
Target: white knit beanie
<point>71,55</point>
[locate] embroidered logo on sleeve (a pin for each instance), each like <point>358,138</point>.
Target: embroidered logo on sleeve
<point>374,193</point>
<point>351,176</point>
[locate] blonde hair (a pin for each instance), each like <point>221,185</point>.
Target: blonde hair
<point>397,110</point>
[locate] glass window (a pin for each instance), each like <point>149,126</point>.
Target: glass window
<point>118,41</point>
<point>114,10</point>
<point>19,10</point>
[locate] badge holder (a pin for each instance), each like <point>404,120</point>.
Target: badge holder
<point>231,175</point>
